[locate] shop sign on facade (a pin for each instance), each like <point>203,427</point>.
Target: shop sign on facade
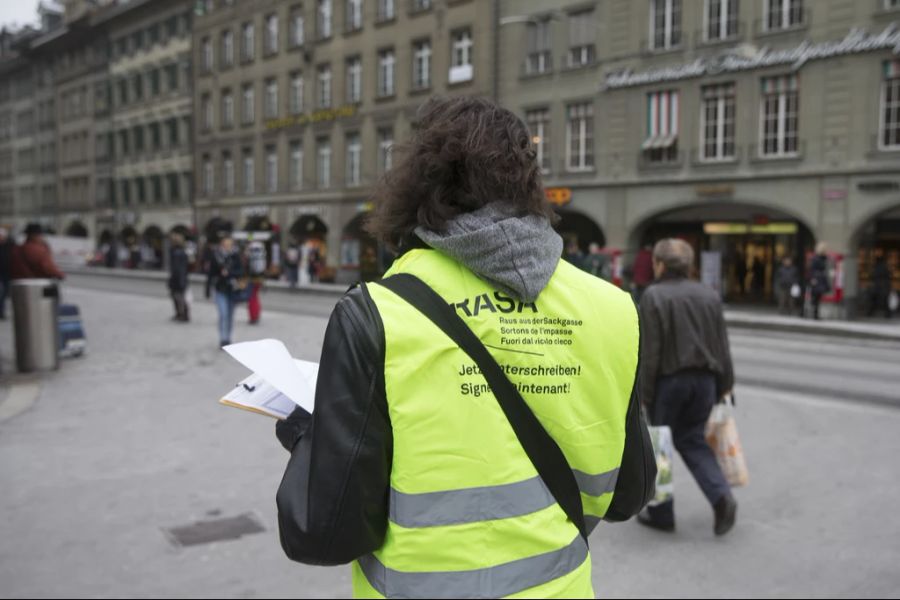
<point>746,58</point>
<point>326,114</point>
<point>255,211</point>
<point>558,196</point>
<point>775,228</point>
<point>715,191</point>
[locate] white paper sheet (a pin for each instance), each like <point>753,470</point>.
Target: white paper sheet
<point>255,394</point>
<point>271,361</point>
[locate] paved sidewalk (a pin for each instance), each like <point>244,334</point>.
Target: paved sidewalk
<point>130,440</point>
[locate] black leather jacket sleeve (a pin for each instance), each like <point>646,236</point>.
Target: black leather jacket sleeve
<point>333,498</point>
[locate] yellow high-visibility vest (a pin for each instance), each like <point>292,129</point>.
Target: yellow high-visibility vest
<point>469,515</point>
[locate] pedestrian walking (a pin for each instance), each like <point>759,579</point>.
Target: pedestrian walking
<point>431,487</point>
<point>818,278</point>
<point>256,267</point>
<point>225,277</point>
<point>6,250</point>
<point>292,264</point>
<point>880,291</point>
<point>33,259</point>
<point>597,263</point>
<point>178,277</point>
<point>685,369</point>
<point>787,286</point>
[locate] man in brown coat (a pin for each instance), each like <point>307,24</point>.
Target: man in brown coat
<point>33,259</point>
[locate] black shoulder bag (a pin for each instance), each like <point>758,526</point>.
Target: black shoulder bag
<point>542,450</point>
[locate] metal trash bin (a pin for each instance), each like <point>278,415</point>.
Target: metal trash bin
<point>35,306</point>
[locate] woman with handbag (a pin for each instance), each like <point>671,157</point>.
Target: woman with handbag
<point>226,277</point>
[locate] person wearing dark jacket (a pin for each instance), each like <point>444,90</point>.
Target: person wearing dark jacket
<point>178,277</point>
<point>785,279</point>
<point>6,250</point>
<point>880,291</point>
<point>685,369</point>
<point>818,278</point>
<point>408,466</point>
<point>33,259</point>
<point>226,271</point>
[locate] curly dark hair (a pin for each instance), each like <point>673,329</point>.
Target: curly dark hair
<point>465,152</point>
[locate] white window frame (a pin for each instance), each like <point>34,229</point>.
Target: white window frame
<point>387,62</point>
<point>228,174</point>
<point>354,160</point>
<point>781,124</point>
<point>208,176</point>
<point>271,106</point>
<point>784,22</point>
<point>721,102</point>
<point>422,64</point>
<point>729,13</point>
<point>385,150</point>
<point>271,42</point>
<point>354,17</point>
<point>208,115</point>
<point>585,126</point>
<point>227,48</point>
<point>248,104</point>
<point>248,41</point>
<point>248,173</point>
<point>354,80</point>
<point>207,50</point>
<point>298,25</point>
<point>271,169</point>
<point>882,112</point>
<point>297,89</point>
<point>324,16</point>
<point>540,131</point>
<point>669,25</point>
<point>386,10</point>
<point>323,164</point>
<point>227,109</point>
<point>462,48</point>
<point>296,165</point>
<point>323,95</point>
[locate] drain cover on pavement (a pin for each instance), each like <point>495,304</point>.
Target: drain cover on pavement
<point>216,530</point>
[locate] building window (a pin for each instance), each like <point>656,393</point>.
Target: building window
<point>354,160</point>
<point>323,163</point>
<point>271,40</point>
<point>227,48</point>
<point>207,109</point>
<point>155,85</point>
<point>296,173</point>
<point>248,40</point>
<point>172,77</point>
<point>227,173</point>
<point>271,99</point>
<point>890,106</point>
<point>721,19</point>
<point>248,171</point>
<point>323,22</point>
<point>138,87</point>
<point>227,109</point>
<point>665,24</point>
<point>325,86</point>
<point>297,33</point>
<point>296,93</point>
<point>138,136</point>
<point>354,80</point>
<point>582,32</point>
<point>779,116</point>
<point>385,10</point>
<point>271,169</point>
<point>580,137</point>
<point>354,15</point>
<point>207,52</point>
<point>172,126</point>
<point>420,5</point>
<point>174,188</point>
<point>539,125</point>
<point>208,175</point>
<point>661,144</point>
<point>386,73</point>
<point>891,4</point>
<point>155,138</point>
<point>422,65</point>
<point>385,149</point>
<point>140,190</point>
<point>783,14</point>
<point>717,122</point>
<point>461,57</point>
<point>538,59</point>
<point>248,110</point>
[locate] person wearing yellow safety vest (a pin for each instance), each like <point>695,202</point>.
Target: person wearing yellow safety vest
<point>408,467</point>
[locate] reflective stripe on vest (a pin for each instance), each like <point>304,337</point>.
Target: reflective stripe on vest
<point>487,503</point>
<point>490,582</point>
<point>468,514</point>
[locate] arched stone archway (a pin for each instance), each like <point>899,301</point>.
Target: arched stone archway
<point>738,245</point>
<point>578,228</point>
<point>875,239</point>
<point>77,229</point>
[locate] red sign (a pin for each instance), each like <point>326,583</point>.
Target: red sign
<point>558,196</point>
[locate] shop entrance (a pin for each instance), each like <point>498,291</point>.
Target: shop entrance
<point>879,262</point>
<point>738,248</point>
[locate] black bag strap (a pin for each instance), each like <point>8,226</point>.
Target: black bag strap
<point>542,450</point>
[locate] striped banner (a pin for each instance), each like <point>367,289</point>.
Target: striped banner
<point>662,114</point>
